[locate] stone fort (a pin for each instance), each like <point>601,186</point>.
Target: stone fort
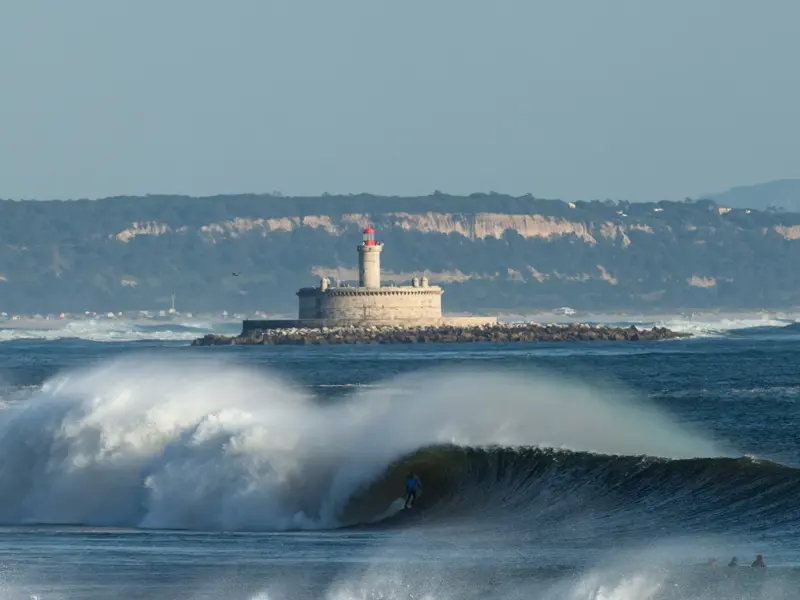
<point>369,304</point>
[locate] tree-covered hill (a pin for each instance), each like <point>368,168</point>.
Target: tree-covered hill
<point>783,194</point>
<point>489,251</point>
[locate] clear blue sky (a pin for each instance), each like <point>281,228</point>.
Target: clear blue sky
<point>632,99</point>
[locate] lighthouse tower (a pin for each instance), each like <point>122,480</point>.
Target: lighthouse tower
<point>369,260</point>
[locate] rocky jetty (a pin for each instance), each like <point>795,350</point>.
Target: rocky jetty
<point>526,332</point>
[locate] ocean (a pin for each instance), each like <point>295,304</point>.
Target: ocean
<point>133,465</point>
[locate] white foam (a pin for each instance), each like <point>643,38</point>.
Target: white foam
<point>708,327</point>
<point>209,445</point>
<point>107,331</point>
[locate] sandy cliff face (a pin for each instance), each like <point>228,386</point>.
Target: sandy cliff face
<point>701,282</point>
<point>478,226</point>
<point>241,226</point>
<point>474,227</point>
<point>484,225</point>
<point>143,228</point>
<point>790,233</point>
<point>345,274</point>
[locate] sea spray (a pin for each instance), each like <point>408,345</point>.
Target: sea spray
<point>203,444</point>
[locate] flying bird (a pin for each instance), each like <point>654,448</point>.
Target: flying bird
<point>235,274</point>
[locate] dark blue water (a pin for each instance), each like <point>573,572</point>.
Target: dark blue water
<point>158,470</point>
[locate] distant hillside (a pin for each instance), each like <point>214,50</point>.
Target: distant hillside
<point>783,194</point>
<point>490,252</point>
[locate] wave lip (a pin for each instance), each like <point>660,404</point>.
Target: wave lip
<point>546,489</point>
<point>206,445</point>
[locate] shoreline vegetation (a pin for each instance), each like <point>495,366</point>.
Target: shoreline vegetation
<point>491,253</point>
<point>525,332</point>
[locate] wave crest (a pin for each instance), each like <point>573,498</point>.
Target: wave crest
<point>208,445</point>
<point>706,326</point>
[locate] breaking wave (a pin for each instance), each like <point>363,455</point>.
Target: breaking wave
<point>598,493</point>
<point>707,327</point>
<point>205,445</point>
<point>115,331</point>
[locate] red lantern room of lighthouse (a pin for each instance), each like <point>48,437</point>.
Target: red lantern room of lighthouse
<point>369,236</point>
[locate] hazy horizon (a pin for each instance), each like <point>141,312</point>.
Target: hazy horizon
<point>581,101</point>
<point>281,194</point>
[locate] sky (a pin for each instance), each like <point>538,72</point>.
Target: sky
<point>575,99</point>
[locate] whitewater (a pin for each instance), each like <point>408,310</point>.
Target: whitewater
<point>588,472</point>
<point>120,330</point>
<point>206,445</point>
<point>96,330</point>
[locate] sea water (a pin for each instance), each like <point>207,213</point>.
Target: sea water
<point>142,467</point>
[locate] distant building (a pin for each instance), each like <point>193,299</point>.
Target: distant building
<point>370,303</point>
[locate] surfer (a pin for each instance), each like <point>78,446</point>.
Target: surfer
<point>413,485</point>
<point>759,561</point>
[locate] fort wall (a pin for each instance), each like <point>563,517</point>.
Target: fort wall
<point>389,305</point>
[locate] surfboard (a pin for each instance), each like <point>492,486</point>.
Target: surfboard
<point>419,493</point>
<point>394,508</point>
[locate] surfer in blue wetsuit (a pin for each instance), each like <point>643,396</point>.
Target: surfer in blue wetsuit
<point>413,485</point>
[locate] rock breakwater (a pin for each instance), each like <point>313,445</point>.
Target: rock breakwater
<point>527,332</point>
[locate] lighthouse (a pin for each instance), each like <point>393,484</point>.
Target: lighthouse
<point>415,304</point>
<point>369,260</point>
